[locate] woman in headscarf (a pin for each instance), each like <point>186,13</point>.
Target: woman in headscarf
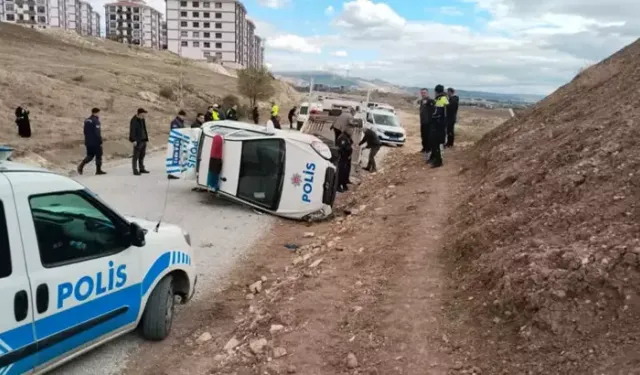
<point>22,120</point>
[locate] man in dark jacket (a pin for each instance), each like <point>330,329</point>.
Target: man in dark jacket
<point>232,113</point>
<point>427,106</point>
<point>139,137</point>
<point>178,122</point>
<point>452,115</point>
<point>373,144</point>
<point>438,126</point>
<point>292,113</point>
<point>92,142</point>
<point>345,149</point>
<point>199,121</point>
<point>209,115</point>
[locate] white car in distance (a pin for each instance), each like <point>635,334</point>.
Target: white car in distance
<point>386,125</point>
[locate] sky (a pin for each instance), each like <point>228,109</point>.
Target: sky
<point>507,46</point>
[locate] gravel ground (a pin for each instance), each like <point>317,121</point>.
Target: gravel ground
<point>228,236</point>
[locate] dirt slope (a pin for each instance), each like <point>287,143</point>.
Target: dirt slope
<point>546,245</point>
<point>60,76</point>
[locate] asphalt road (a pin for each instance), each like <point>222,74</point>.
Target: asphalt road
<point>221,233</point>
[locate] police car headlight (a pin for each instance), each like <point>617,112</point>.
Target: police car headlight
<point>322,149</point>
<point>187,237</point>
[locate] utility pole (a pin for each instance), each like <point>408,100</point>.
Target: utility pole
<point>181,76</point>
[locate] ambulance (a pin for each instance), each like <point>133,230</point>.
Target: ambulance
<point>288,174</point>
<point>74,273</point>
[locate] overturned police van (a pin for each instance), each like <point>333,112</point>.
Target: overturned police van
<point>287,174</point>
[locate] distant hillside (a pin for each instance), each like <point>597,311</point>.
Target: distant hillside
<point>326,78</point>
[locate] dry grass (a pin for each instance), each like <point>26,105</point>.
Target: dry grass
<point>60,76</point>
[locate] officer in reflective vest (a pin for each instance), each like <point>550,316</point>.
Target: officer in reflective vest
<point>438,127</point>
<point>215,114</point>
<point>275,111</point>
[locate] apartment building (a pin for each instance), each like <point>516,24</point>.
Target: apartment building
<point>250,39</point>
<point>73,15</point>
<point>216,30</point>
<point>163,35</point>
<point>26,12</point>
<point>85,18</point>
<point>134,22</point>
<point>96,24</point>
<point>258,52</point>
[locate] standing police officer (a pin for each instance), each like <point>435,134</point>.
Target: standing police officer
<point>93,142</point>
<point>438,127</point>
<point>452,115</point>
<point>427,107</point>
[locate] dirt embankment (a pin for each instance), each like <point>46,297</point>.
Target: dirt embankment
<point>546,244</point>
<point>60,76</point>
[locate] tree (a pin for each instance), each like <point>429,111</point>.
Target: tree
<point>256,84</point>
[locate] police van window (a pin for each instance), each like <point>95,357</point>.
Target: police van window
<point>261,172</point>
<point>70,228</point>
<point>5,252</point>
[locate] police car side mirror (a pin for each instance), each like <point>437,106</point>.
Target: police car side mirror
<point>137,235</point>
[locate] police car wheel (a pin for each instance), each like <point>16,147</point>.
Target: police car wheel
<point>158,313</point>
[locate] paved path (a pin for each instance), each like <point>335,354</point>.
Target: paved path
<point>221,232</point>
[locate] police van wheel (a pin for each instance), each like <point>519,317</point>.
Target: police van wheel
<point>158,313</point>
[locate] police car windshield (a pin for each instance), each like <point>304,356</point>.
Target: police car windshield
<point>386,120</point>
<point>304,110</point>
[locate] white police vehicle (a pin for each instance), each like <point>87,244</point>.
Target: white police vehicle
<point>386,125</point>
<point>75,274</point>
<point>289,174</point>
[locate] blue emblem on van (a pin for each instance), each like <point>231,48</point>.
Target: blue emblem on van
<point>307,187</point>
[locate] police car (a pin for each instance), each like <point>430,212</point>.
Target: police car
<point>75,274</point>
<point>386,125</point>
<point>289,174</point>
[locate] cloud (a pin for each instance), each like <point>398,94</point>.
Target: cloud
<point>275,4</point>
<point>329,11</point>
<point>292,43</point>
<point>450,11</point>
<point>519,47</point>
<point>339,53</point>
<point>364,19</point>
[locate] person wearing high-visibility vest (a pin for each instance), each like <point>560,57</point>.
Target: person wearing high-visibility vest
<point>215,113</point>
<point>439,126</point>
<point>275,112</point>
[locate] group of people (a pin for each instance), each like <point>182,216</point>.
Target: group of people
<point>215,113</point>
<point>438,117</point>
<point>138,136</point>
<point>343,129</point>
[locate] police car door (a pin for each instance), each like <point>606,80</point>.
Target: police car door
<point>17,342</point>
<point>84,276</point>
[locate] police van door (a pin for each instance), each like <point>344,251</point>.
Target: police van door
<point>17,342</point>
<point>85,277</point>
